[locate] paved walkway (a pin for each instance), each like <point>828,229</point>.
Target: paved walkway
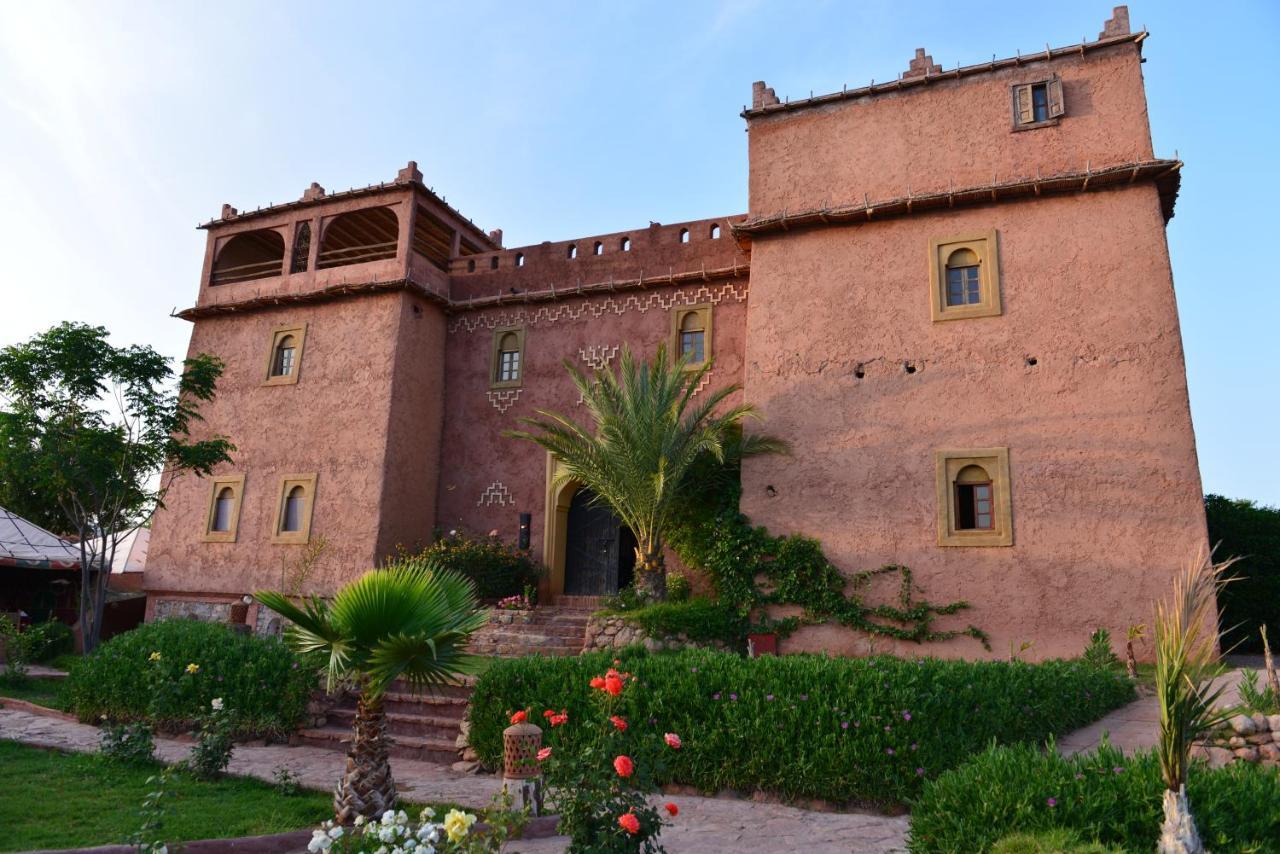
<point>1133,727</point>
<point>704,826</point>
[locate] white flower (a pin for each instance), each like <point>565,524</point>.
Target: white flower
<point>381,850</point>
<point>216,703</point>
<point>325,843</point>
<point>389,817</point>
<point>359,820</point>
<point>427,813</point>
<point>387,834</point>
<point>402,817</point>
<point>335,832</point>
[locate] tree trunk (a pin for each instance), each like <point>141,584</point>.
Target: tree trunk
<point>1273,682</point>
<point>651,572</point>
<point>1178,834</point>
<point>1130,660</point>
<point>366,787</point>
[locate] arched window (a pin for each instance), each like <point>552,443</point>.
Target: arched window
<point>693,338</point>
<point>715,231</point>
<point>301,248</point>
<point>519,259</point>
<point>964,282</point>
<point>358,237</point>
<point>294,503</point>
<point>508,358</point>
<point>625,245</point>
<point>598,249</point>
<point>282,360</point>
<point>684,235</point>
<point>493,263</point>
<point>249,255</point>
<point>573,251</point>
<point>223,506</point>
<point>974,500</point>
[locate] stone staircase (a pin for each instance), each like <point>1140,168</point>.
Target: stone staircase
<point>422,726</point>
<point>558,630</point>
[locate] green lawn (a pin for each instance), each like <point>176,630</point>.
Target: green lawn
<point>42,692</point>
<point>50,799</point>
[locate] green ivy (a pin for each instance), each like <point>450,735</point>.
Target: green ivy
<point>698,619</point>
<point>720,541</point>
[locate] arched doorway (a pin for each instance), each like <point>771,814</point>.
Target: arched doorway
<point>599,555</point>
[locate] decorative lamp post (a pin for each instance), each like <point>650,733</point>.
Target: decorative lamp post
<point>521,771</point>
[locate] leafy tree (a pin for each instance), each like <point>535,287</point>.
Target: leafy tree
<point>99,433</point>
<point>409,621</point>
<point>1251,532</point>
<point>649,435</point>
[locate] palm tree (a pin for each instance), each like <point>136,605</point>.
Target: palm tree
<point>649,434</point>
<point>1186,638</point>
<point>409,621</point>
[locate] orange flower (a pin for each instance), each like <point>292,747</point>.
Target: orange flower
<point>624,766</point>
<point>618,723</point>
<point>543,754</point>
<point>672,740</point>
<point>672,808</point>
<point>519,717</point>
<point>613,684</point>
<point>629,822</point>
<point>597,682</point>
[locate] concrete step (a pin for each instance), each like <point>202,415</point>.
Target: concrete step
<point>402,746</point>
<point>410,724</point>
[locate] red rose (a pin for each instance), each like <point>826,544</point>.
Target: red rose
<point>672,808</point>
<point>597,682</point>
<point>543,754</point>
<point>672,740</point>
<point>619,723</point>
<point>629,822</point>
<point>613,684</point>
<point>519,717</point>
<point>624,766</point>
<point>561,718</point>
<point>548,713</point>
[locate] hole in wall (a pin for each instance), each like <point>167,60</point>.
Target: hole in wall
<point>599,248</point>
<point>519,259</point>
<point>471,266</point>
<point>417,311</point>
<point>684,235</point>
<point>573,252</point>
<point>715,232</point>
<point>909,367</point>
<point>626,244</point>
<point>770,491</point>
<point>860,371</point>
<point>493,263</point>
<point>1032,361</point>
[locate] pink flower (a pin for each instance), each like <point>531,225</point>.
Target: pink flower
<point>1052,802</point>
<point>672,740</point>
<point>519,717</point>
<point>544,754</point>
<point>619,723</point>
<point>624,766</point>
<point>629,822</point>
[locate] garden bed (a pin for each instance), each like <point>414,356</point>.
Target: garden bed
<point>850,731</point>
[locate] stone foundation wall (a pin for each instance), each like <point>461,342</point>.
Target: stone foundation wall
<point>617,632</point>
<point>1246,738</point>
<point>209,612</point>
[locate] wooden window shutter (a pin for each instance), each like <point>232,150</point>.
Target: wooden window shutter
<point>1022,105</point>
<point>1055,98</point>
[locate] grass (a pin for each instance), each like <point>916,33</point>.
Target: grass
<point>50,799</point>
<point>42,692</point>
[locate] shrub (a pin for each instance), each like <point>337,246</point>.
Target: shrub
<point>497,570</point>
<point>867,730</point>
<point>1050,842</point>
<point>698,619</point>
<point>259,679</point>
<point>212,753</point>
<point>49,640</point>
<point>129,744</point>
<point>1251,532</point>
<point>1103,796</point>
<point>1099,654</point>
<point>678,588</point>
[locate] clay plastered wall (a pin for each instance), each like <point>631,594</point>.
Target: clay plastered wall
<point>952,133</point>
<point>1105,486</point>
<point>416,422</point>
<point>655,251</point>
<point>332,422</point>
<point>487,480</point>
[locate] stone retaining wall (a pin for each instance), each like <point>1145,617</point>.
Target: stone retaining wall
<point>617,632</point>
<point>1246,738</point>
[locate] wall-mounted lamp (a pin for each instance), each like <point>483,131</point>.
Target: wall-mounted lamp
<point>526,523</point>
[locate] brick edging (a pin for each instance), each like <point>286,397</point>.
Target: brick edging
<point>32,708</point>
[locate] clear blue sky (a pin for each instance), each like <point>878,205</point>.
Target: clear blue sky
<point>124,124</point>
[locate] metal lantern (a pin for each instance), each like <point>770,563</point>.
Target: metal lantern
<point>520,745</point>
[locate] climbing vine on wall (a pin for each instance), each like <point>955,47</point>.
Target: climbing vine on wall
<point>752,568</point>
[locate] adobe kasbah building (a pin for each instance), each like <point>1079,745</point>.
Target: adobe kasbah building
<point>951,293</point>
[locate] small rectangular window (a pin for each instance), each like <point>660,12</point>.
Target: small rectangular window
<point>974,504</point>
<point>1038,103</point>
<point>285,358</point>
<point>222,517</point>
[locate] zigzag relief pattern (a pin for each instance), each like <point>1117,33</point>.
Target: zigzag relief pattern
<point>496,493</point>
<point>504,400</point>
<point>702,383</point>
<point>597,358</point>
<point>471,321</point>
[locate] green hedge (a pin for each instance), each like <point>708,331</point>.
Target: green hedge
<point>1251,532</point>
<point>265,684</point>
<point>848,730</point>
<point>1102,797</point>
<point>698,619</point>
<point>497,569</point>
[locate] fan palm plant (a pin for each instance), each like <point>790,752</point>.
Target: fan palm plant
<point>1186,640</point>
<point>409,621</point>
<point>649,432</point>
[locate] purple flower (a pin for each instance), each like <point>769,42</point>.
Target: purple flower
<point>733,697</point>
<point>915,746</point>
<point>888,729</point>
<point>1052,802</point>
<point>693,670</point>
<point>768,698</point>
<point>295,665</point>
<point>889,750</point>
<point>804,698</point>
<point>715,696</point>
<point>1079,776</point>
<point>1118,770</point>
<point>906,716</point>
<point>844,725</point>
<point>919,772</point>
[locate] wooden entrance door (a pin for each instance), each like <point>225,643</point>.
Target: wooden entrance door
<point>593,548</point>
